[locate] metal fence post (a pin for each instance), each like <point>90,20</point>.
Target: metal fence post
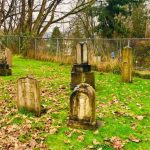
<point>35,47</point>
<point>57,53</point>
<point>19,44</point>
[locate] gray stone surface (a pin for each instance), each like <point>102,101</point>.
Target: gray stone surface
<point>81,71</point>
<point>82,107</point>
<point>28,95</point>
<point>4,67</point>
<point>82,77</point>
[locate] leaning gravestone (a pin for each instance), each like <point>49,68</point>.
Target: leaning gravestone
<point>82,107</point>
<point>127,64</point>
<point>28,95</point>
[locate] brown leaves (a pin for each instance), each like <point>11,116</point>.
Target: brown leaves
<point>95,142</point>
<point>67,141</point>
<point>96,132</point>
<point>103,105</point>
<point>80,138</point>
<point>133,126</point>
<point>134,139</point>
<point>140,117</point>
<point>117,143</point>
<point>53,130</point>
<point>114,100</point>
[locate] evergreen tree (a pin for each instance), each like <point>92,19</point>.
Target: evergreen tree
<point>56,40</point>
<point>56,33</point>
<point>139,21</point>
<point>107,16</point>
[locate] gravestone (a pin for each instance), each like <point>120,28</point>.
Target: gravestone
<point>82,107</point>
<point>8,56</point>
<point>97,60</point>
<point>4,67</point>
<point>28,95</point>
<point>127,64</point>
<point>81,71</point>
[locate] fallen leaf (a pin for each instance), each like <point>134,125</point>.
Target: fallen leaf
<point>102,105</point>
<point>80,138</point>
<point>53,130</point>
<point>95,142</point>
<point>96,132</point>
<point>100,115</point>
<point>91,146</point>
<point>140,117</point>
<point>133,126</point>
<point>66,141</point>
<point>33,143</point>
<point>117,143</point>
<point>134,139</point>
<point>69,133</point>
<point>114,100</point>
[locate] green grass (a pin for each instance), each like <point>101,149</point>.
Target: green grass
<point>118,106</point>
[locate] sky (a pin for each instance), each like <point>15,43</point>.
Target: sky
<point>64,7</point>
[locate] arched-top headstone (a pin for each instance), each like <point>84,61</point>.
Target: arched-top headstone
<point>28,95</point>
<point>82,107</point>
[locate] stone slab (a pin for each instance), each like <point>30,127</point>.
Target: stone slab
<point>82,77</point>
<point>28,95</point>
<point>82,107</point>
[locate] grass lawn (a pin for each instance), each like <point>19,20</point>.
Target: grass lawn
<point>122,108</point>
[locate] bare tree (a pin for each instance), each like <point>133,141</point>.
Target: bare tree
<point>35,17</point>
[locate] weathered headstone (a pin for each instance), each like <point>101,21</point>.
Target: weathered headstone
<point>81,71</point>
<point>82,107</point>
<point>28,95</point>
<point>97,60</point>
<point>8,56</point>
<point>127,64</point>
<point>4,67</point>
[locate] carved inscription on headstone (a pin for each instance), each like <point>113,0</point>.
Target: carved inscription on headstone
<point>127,64</point>
<point>82,107</point>
<point>28,95</point>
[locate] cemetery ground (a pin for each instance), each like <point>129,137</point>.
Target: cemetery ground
<point>122,109</point>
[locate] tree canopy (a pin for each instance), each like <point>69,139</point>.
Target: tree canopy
<point>107,12</point>
<point>33,17</point>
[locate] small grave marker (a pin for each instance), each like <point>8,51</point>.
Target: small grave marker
<point>28,95</point>
<point>82,107</point>
<point>127,61</point>
<point>4,67</point>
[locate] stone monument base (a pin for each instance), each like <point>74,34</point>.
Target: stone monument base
<point>5,72</point>
<point>83,124</point>
<point>82,77</point>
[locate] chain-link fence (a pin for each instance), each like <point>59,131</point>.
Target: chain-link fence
<point>103,53</point>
